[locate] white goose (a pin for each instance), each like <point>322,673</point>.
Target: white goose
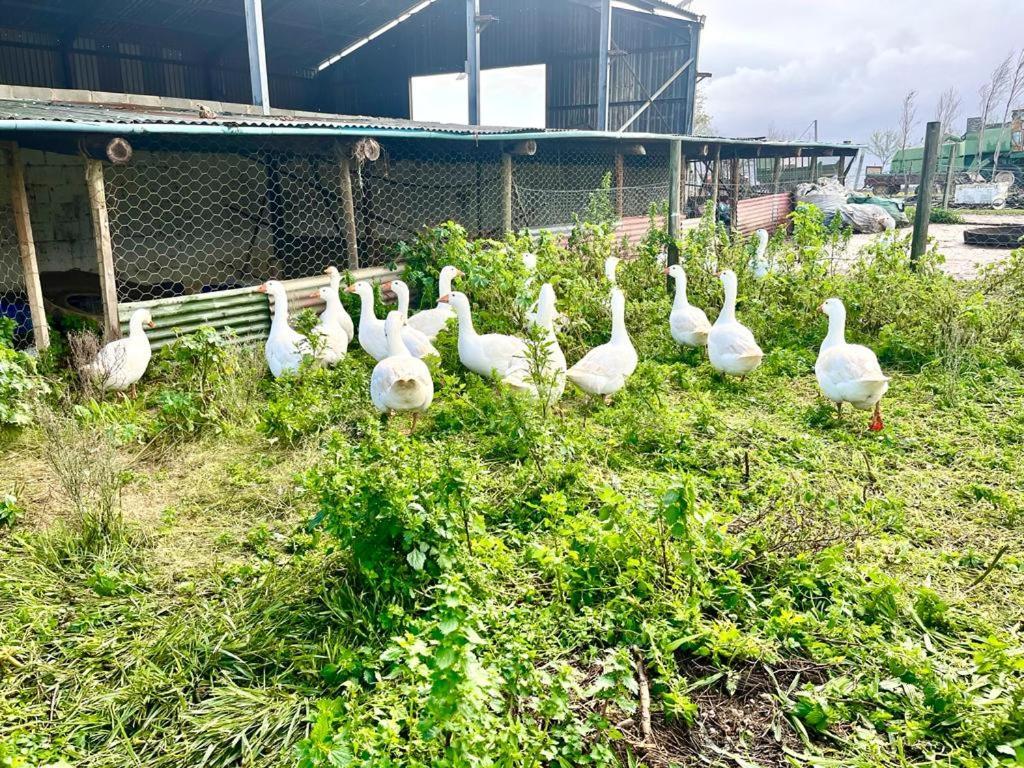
<point>334,338</point>
<point>431,322</point>
<point>849,373</point>
<point>689,324</point>
<point>604,369</point>
<point>759,265</point>
<point>490,354</point>
<point>544,321</point>
<point>371,328</point>
<point>732,348</point>
<point>121,363</point>
<point>400,382</point>
<point>285,346</point>
<point>343,316</point>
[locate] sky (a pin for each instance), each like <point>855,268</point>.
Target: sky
<point>779,64</point>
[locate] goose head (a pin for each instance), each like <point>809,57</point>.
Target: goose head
<point>833,308</point>
<point>397,287</point>
<point>323,293</point>
<point>676,271</point>
<point>530,261</point>
<point>728,278</point>
<point>450,272</point>
<point>457,300</point>
<point>362,289</point>
<point>610,265</point>
<point>142,317</point>
<point>273,288</point>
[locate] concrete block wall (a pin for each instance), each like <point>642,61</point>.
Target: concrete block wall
<point>59,208</point>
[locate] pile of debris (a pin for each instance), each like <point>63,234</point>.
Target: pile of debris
<point>865,214</point>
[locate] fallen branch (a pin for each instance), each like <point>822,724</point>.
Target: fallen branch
<point>991,566</point>
<point>645,695</point>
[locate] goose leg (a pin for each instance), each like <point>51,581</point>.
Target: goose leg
<point>415,416</point>
<point>839,411</point>
<point>876,424</point>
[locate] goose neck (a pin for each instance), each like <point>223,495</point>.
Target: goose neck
<point>444,284</point>
<point>728,314</point>
<point>619,333</point>
<point>836,330</point>
<point>279,323</point>
<point>680,301</point>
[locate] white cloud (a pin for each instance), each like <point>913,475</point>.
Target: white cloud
<point>783,63</point>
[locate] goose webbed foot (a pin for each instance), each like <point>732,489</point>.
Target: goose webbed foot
<point>876,424</point>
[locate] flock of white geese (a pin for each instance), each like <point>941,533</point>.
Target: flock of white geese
<point>401,381</point>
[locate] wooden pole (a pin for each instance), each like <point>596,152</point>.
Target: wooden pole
<point>620,183</point>
<point>675,163</point>
<point>924,193</point>
<point>348,206</point>
<point>776,175</point>
<point>506,192</point>
<point>954,154</point>
<point>734,198</point>
<point>27,249</point>
<point>814,170</point>
<point>104,248</point>
<point>716,176</point>
<point>683,192</point>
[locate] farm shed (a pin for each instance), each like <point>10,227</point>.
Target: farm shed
<point>110,204</point>
<point>602,61</point>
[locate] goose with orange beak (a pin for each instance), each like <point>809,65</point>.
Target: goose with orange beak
<point>732,348</point>
<point>849,373</point>
<point>285,346</point>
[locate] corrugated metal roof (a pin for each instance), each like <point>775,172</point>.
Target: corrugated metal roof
<point>134,114</point>
<point>21,115</point>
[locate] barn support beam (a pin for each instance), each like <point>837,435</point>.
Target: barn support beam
<point>348,207</point>
<point>661,89</point>
<point>104,247</point>
<point>27,249</point>
<point>604,64</point>
<point>257,54</point>
<point>473,59</point>
<point>734,197</point>
<point>506,192</point>
<point>675,162</point>
<point>716,175</point>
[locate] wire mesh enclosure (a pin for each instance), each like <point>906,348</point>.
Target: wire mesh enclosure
<point>13,299</point>
<point>201,215</point>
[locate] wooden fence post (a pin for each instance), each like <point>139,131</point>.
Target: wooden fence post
<point>620,182</point>
<point>776,175</point>
<point>924,193</point>
<point>104,248</point>
<point>716,175</point>
<point>27,249</point>
<point>348,207</point>
<point>734,197</point>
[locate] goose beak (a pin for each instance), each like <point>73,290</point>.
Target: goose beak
<point>459,273</point>
<point>261,288</point>
<point>313,295</point>
<point>385,286</point>
<point>350,289</point>
<point>151,324</point>
<point>821,307</point>
<point>444,299</point>
<point>665,270</point>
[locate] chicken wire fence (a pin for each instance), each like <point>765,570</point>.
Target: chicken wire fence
<point>190,215</point>
<point>13,298</point>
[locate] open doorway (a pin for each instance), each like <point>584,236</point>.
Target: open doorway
<point>509,96</point>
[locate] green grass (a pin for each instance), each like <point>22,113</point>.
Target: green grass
<point>294,580</point>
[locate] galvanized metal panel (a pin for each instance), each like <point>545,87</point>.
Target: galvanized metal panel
<point>241,312</point>
<point>768,212</point>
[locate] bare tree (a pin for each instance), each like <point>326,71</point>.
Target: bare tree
<point>907,123</point>
<point>1014,93</point>
<point>990,94</point>
<point>883,144</point>
<point>947,110</point>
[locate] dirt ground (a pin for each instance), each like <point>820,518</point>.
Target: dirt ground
<point>961,260</point>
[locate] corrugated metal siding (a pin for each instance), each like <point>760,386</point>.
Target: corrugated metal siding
<point>633,228</point>
<point>240,311</point>
<point>766,212</point>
